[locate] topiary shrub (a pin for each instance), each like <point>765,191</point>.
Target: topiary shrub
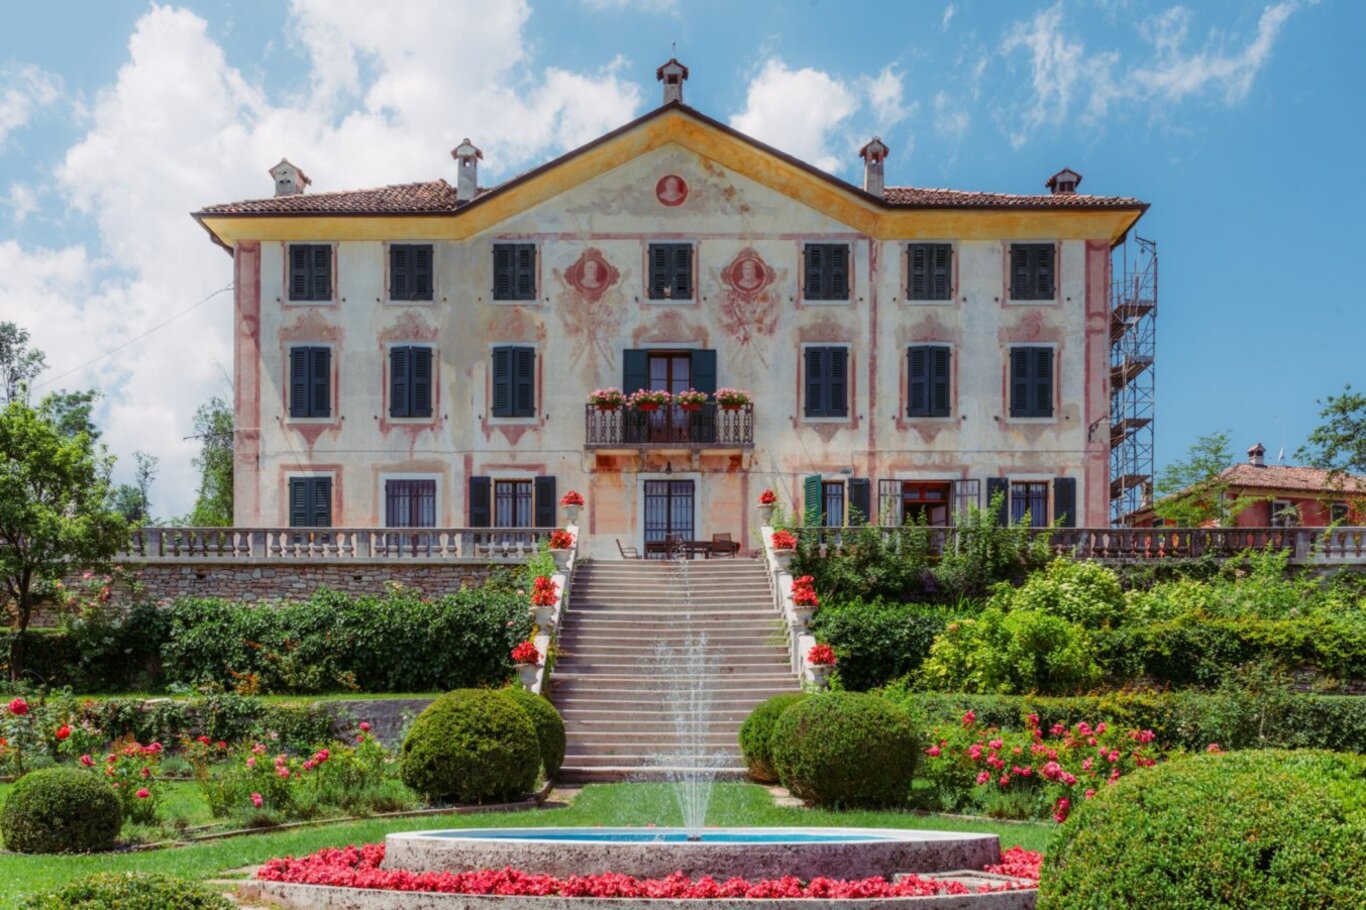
<point>1268,829</point>
<point>471,746</point>
<point>135,891</point>
<point>549,726</point>
<point>845,749</point>
<point>756,735</point>
<point>60,810</point>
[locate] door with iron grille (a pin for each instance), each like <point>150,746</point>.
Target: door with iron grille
<point>668,509</point>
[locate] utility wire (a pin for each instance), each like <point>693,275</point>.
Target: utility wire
<point>133,340</point>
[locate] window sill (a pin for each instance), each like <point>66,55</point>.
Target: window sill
<point>926,418</point>
<point>671,301</point>
<point>415,421</point>
<point>1042,301</point>
<point>915,301</point>
<point>515,421</point>
<point>515,301</point>
<point>816,301</point>
<point>331,301</point>
<point>311,421</point>
<point>393,302</point>
<point>1049,419</point>
<point>847,421</point>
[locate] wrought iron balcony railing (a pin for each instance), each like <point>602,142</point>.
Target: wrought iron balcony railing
<point>672,425</point>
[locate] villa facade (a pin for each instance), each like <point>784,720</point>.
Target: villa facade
<point>422,355</point>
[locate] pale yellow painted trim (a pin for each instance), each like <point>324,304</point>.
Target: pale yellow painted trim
<point>728,151</point>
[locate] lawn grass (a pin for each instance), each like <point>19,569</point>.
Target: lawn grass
<point>605,805</point>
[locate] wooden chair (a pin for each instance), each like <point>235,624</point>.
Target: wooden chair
<point>722,545</point>
<point>673,546</point>
<point>627,552</point>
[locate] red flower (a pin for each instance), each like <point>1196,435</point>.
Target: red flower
<point>365,726</point>
<point>526,653</point>
<point>767,498</point>
<point>561,540</point>
<point>87,761</point>
<point>821,656</point>
<point>18,707</point>
<point>143,793</point>
<point>544,592</point>
<point>572,498</point>
<point>783,540</point>
<point>256,800</point>
<point>202,740</point>
<point>969,718</point>
<point>63,732</point>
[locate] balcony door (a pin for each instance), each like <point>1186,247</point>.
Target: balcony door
<point>672,371</point>
<point>668,509</point>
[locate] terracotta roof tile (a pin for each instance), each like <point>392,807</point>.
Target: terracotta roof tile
<point>436,196</point>
<point>942,198</point>
<point>1291,477</point>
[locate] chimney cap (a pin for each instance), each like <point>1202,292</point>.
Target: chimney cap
<point>1256,453</point>
<point>874,149</point>
<point>466,149</point>
<point>671,67</point>
<point>1064,182</point>
<point>289,179</point>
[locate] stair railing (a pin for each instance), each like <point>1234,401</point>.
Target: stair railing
<point>545,636</point>
<point>799,638</point>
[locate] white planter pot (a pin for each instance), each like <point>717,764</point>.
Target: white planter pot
<point>820,675</point>
<point>802,616</point>
<point>766,514</point>
<point>527,672</point>
<point>572,514</point>
<point>543,616</point>
<point>783,558</point>
<point>561,558</point>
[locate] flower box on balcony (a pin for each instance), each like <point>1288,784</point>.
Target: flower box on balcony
<point>691,400</point>
<point>648,399</point>
<point>733,399</point>
<point>610,399</point>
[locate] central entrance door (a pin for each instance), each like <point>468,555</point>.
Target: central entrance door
<point>668,509</point>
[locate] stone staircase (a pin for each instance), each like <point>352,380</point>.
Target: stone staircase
<point>623,665</point>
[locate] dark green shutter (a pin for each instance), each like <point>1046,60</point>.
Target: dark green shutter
<point>322,273</point>
<point>837,286</point>
<point>635,370</point>
<point>703,369</point>
<point>918,270</point>
<point>525,287</point>
<point>815,382</point>
<point>939,381</point>
<point>1001,486</point>
<point>1043,272</point>
<point>918,384</point>
<point>941,280</point>
<point>298,502</point>
<point>502,271</point>
<point>1043,382</point>
<point>682,272</point>
<point>815,271</point>
<point>502,382</point>
<point>837,397</point>
<point>1020,362</point>
<point>322,501</point>
<point>399,286</point>
<point>320,403</point>
<point>298,382</point>
<point>860,501</point>
<point>545,502</point>
<point>420,395</point>
<point>1065,501</point>
<point>1019,271</point>
<point>421,266</point>
<point>400,402</point>
<point>659,270</point>
<point>524,382</point>
<point>811,500</point>
<point>298,272</point>
<point>481,502</point>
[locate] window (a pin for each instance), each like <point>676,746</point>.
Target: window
<point>514,271</point>
<point>1031,271</point>
<point>929,276</point>
<point>925,503</point>
<point>1032,497</point>
<point>410,271</point>
<point>827,271</point>
<point>1284,514</point>
<point>827,382</point>
<point>513,503</point>
<point>410,381</point>
<point>310,382</point>
<point>310,502</point>
<point>1338,512</point>
<point>310,271</point>
<point>670,271</point>
<point>927,371</point>
<point>1031,382</point>
<point>410,503</point>
<point>514,382</point>
<point>832,503</point>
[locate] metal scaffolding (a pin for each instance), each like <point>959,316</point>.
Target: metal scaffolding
<point>1133,346</point>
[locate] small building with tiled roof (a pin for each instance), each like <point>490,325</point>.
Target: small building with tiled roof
<point>422,354</point>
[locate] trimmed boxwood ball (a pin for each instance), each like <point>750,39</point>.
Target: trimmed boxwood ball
<point>845,749</point>
<point>129,891</point>
<point>1270,829</point>
<point>549,726</point>
<point>756,733</point>
<point>60,810</point>
<point>471,746</point>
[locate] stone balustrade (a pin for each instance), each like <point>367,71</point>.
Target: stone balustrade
<point>351,545</point>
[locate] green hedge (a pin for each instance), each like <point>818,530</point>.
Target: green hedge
<point>756,735</point>
<point>129,891</point>
<point>1275,830</point>
<point>1187,719</point>
<point>94,653</point>
<point>60,810</point>
<point>297,726</point>
<point>845,750</point>
<point>876,641</point>
<point>472,746</point>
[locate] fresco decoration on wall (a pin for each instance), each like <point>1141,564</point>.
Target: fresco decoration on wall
<point>749,305</point>
<point>591,310</point>
<point>671,190</point>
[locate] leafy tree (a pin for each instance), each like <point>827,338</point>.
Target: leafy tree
<point>1339,443</point>
<point>213,426</point>
<point>1191,492</point>
<point>70,412</point>
<point>133,500</point>
<point>18,363</point>
<point>54,511</point>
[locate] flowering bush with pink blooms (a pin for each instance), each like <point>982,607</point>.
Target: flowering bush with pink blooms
<point>131,771</point>
<point>361,867</point>
<point>1030,773</point>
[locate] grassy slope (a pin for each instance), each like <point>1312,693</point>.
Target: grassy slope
<point>618,804</point>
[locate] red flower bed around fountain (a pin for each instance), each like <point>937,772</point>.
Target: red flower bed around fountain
<point>359,867</point>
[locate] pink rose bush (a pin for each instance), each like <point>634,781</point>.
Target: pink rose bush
<point>1030,773</point>
<point>360,867</point>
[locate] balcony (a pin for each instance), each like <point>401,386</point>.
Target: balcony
<point>670,427</point>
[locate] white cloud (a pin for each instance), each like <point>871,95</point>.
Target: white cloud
<point>885,96</point>
<point>1174,75</point>
<point>25,90</point>
<point>951,118</point>
<point>797,111</point>
<point>21,201</point>
<point>947,17</point>
<point>648,6</point>
<point>182,126</point>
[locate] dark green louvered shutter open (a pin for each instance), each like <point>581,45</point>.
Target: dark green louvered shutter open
<point>546,503</point>
<point>1020,363</point>
<point>1065,501</point>
<point>322,273</point>
<point>635,370</point>
<point>860,501</point>
<point>659,270</point>
<point>811,500</point>
<point>939,381</point>
<point>837,401</point>
<point>1043,272</point>
<point>815,382</point>
<point>399,286</point>
<point>524,283</point>
<point>502,382</point>
<point>918,381</point>
<point>421,271</point>
<point>320,383</point>
<point>682,272</point>
<point>298,502</point>
<point>298,272</point>
<point>524,382</point>
<point>918,271</point>
<point>322,502</point>
<point>815,271</point>
<point>420,395</point>
<point>298,382</point>
<point>481,502</point>
<point>1043,382</point>
<point>999,486</point>
<point>503,280</point>
<point>703,367</point>
<point>1019,272</point>
<point>399,360</point>
<point>941,271</point>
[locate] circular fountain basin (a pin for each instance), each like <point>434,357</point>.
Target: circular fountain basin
<point>752,853</point>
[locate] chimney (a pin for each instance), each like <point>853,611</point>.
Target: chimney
<point>1063,183</point>
<point>673,74</point>
<point>289,180</point>
<point>873,155</point>
<point>1256,456</point>
<point>467,176</point>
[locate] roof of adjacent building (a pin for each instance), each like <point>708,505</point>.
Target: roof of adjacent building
<point>1291,477</point>
<point>438,197</point>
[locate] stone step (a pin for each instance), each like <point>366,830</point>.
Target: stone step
<point>658,731</point>
<point>625,742</point>
<point>651,759</point>
<point>628,587</point>
<point>579,774</point>
<point>735,622</point>
<point>652,651</point>
<point>718,613</point>
<point>591,714</point>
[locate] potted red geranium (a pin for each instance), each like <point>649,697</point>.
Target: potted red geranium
<point>804,599</point>
<point>768,501</point>
<point>820,661</point>
<point>573,504</point>
<point>561,546</point>
<point>527,659</point>
<point>784,544</point>
<point>608,399</point>
<point>691,400</point>
<point>648,399</point>
<point>732,399</point>
<point>544,595</point>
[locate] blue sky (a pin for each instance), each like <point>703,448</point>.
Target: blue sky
<point>1242,124</point>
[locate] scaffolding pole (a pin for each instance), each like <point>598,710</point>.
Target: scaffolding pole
<point>1133,349</point>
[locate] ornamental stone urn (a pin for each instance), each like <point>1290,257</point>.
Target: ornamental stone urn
<point>766,510</point>
<point>783,558</point>
<point>820,674</point>
<point>527,673</point>
<point>544,617</point>
<point>571,514</point>
<point>802,614</point>
<point>561,557</point>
